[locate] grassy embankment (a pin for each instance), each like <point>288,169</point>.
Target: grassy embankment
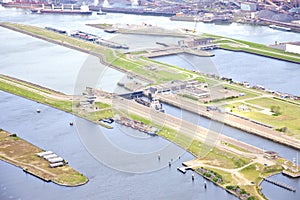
<point>18,152</point>
<point>53,99</point>
<point>254,48</point>
<point>60,104</point>
<point>287,113</point>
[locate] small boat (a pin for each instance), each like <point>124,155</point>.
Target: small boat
<point>101,13</point>
<point>109,120</point>
<point>281,28</point>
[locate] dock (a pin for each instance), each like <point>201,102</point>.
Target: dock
<point>287,187</point>
<point>182,169</point>
<point>291,174</point>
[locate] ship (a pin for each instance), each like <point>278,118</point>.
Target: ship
<point>84,10</point>
<point>281,28</point>
<point>100,12</point>
<point>138,11</point>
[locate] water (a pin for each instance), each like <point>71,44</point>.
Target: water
<point>259,34</point>
<point>104,182</point>
<point>271,73</point>
<point>281,193</point>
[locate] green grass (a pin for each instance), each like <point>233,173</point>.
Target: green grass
<point>259,49</point>
<point>180,139</point>
<point>227,178</point>
<point>72,178</point>
<point>25,84</point>
<point>227,160</point>
<point>96,116</point>
<point>189,97</point>
<point>289,117</point>
<point>253,172</point>
<point>60,104</point>
<point>101,105</point>
<point>104,26</point>
<point>248,93</point>
<point>235,147</point>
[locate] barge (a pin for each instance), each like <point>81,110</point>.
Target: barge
<point>84,10</point>
<point>281,28</point>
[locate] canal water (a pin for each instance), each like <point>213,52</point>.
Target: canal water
<point>50,130</point>
<point>39,63</point>
<point>273,74</point>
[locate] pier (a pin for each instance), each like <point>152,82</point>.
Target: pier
<point>291,174</point>
<point>287,187</point>
<point>183,169</point>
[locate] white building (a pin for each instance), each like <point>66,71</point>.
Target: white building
<point>293,47</point>
<point>6,1</point>
<point>247,6</point>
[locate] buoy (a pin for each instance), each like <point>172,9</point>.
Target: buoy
<point>71,123</point>
<point>193,177</point>
<point>38,110</point>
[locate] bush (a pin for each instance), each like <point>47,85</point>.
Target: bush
<point>275,110</point>
<point>230,187</point>
<point>243,191</point>
<point>283,129</point>
<point>13,135</point>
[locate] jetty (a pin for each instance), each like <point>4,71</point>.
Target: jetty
<point>280,184</point>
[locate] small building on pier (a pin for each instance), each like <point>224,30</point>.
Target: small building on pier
<point>270,155</point>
